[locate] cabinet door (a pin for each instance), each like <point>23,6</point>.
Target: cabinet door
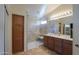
<point>58,45</point>
<point>67,47</point>
<point>51,43</point>
<point>46,41</point>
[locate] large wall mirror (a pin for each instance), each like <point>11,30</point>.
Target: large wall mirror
<point>68,29</point>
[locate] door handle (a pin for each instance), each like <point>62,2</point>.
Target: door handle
<point>77,45</point>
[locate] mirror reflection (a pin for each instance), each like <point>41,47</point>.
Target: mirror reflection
<point>59,22</point>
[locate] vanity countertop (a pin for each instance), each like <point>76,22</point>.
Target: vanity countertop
<point>66,37</point>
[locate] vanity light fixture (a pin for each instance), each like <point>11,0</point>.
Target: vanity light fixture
<point>61,15</point>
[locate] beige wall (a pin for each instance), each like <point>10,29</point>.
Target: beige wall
<point>76,29</point>
<point>1,29</point>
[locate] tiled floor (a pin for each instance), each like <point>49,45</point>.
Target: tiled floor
<point>41,50</point>
<point>34,44</point>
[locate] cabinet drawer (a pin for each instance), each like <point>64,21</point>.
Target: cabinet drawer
<point>67,42</point>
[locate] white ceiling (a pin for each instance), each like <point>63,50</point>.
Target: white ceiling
<point>38,10</point>
<point>62,8</point>
<point>51,7</point>
<point>32,9</point>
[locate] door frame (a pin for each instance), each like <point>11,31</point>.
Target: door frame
<point>12,30</point>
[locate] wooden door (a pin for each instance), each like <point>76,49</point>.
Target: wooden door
<point>17,33</point>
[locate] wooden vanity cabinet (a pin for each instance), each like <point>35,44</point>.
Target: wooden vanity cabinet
<point>46,41</point>
<point>51,43</point>
<point>58,45</point>
<point>67,47</point>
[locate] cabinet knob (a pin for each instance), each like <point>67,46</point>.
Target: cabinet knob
<point>77,45</point>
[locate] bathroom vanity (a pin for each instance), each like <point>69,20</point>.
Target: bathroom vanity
<point>61,44</point>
